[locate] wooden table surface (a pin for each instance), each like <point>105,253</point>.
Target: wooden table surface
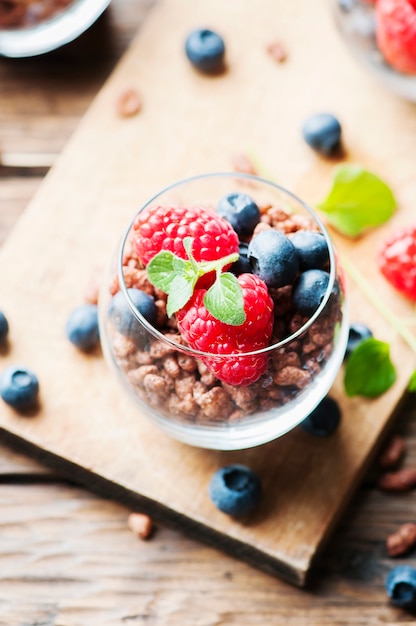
<point>67,557</point>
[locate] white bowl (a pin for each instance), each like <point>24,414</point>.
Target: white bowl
<point>50,34</point>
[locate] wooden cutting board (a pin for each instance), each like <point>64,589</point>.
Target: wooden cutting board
<point>190,124</point>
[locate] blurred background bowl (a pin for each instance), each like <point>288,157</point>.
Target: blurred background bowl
<point>356,23</point>
<point>62,27</point>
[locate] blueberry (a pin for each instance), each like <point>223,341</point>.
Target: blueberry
<point>241,211</point>
<point>274,258</point>
<point>235,489</point>
<point>358,332</point>
<point>312,249</point>
<point>323,133</point>
<point>122,317</point>
<point>19,387</point>
<point>324,419</point>
<point>401,586</point>
<point>346,5</point>
<point>309,290</point>
<point>242,265</point>
<point>4,327</point>
<point>205,49</point>
<point>82,327</point>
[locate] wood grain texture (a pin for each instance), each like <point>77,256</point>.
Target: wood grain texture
<point>347,586</point>
<point>68,559</point>
<point>108,167</point>
<point>14,466</point>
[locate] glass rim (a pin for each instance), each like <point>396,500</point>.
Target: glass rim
<point>52,33</point>
<point>200,353</point>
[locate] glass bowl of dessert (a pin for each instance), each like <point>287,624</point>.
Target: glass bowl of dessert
<point>381,36</point>
<point>224,311</point>
<point>32,27</point>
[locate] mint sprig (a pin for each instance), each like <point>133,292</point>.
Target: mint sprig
<point>357,200</point>
<point>178,278</point>
<point>369,371</point>
<point>223,297</point>
<point>412,383</point>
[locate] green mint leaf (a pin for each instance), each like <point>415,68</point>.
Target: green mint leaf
<point>369,371</point>
<point>174,276</point>
<point>163,268</point>
<point>357,200</point>
<point>224,300</point>
<point>412,383</point>
<point>181,289</point>
<point>187,244</point>
<point>178,277</point>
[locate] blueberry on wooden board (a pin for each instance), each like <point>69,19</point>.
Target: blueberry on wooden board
<point>324,419</point>
<point>358,332</point>
<point>346,5</point>
<point>4,327</point>
<point>205,49</point>
<point>19,387</point>
<point>82,327</point>
<point>322,132</point>
<point>401,586</point>
<point>235,489</point>
<point>241,211</point>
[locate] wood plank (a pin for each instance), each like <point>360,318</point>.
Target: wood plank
<point>11,196</point>
<point>14,466</point>
<point>56,565</point>
<point>108,168</point>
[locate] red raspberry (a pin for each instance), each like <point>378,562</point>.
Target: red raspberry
<point>396,33</point>
<point>204,332</point>
<point>397,261</point>
<point>165,227</point>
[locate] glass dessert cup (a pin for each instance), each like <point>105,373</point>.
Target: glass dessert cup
<point>177,386</point>
<point>355,20</point>
<point>64,24</point>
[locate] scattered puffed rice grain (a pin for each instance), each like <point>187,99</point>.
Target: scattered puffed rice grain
<point>92,288</point>
<point>140,524</point>
<point>401,480</point>
<point>242,163</point>
<point>393,453</point>
<point>277,51</point>
<point>402,541</point>
<point>129,103</point>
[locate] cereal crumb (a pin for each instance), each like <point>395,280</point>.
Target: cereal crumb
<point>129,103</point>
<point>276,50</point>
<point>291,375</point>
<point>140,524</point>
<point>242,163</point>
<point>402,540</point>
<point>92,288</point>
<point>401,480</point>
<point>393,453</point>
<point>215,403</point>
